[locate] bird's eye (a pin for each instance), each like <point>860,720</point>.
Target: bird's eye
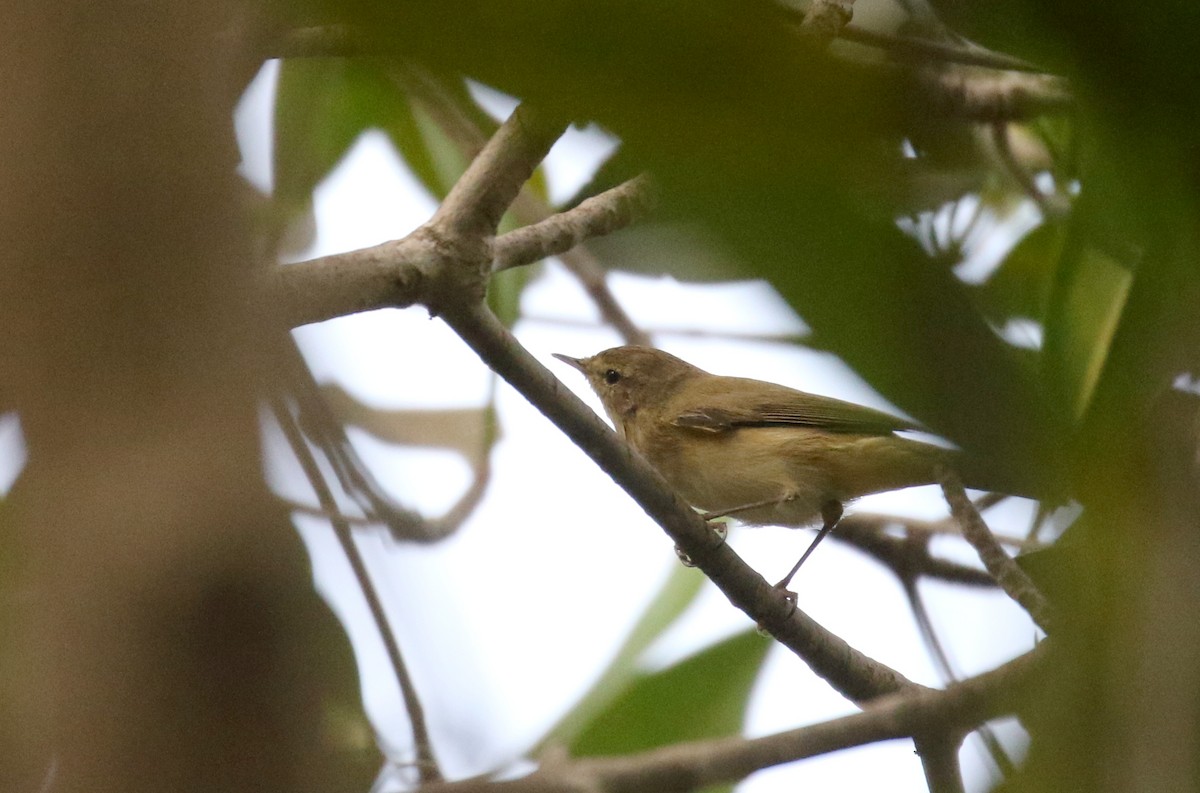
<point>612,376</point>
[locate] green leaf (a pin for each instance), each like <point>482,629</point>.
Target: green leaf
<point>677,593</point>
<point>703,696</point>
<point>433,157</point>
<point>322,105</point>
<point>1020,287</point>
<point>1083,316</point>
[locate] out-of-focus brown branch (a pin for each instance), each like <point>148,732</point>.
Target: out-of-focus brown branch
<point>917,49</point>
<point>1012,579</point>
<point>1005,96</point>
<point>427,766</point>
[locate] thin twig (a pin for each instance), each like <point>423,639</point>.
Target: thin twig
<point>427,766</point>
<point>941,659</point>
<point>593,277</point>
<point>472,209</point>
<point>324,514</point>
<point>326,430</point>
<point>1011,578</point>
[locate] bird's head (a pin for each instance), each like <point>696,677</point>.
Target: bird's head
<point>630,378</point>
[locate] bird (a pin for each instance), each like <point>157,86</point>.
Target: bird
<point>760,452</point>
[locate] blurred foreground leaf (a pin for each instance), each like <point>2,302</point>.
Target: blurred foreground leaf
<point>703,696</point>
<point>677,593</point>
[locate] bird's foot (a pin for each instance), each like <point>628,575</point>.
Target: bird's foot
<point>790,597</point>
<point>719,529</point>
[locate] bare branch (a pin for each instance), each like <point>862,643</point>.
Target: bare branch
<point>1012,579</point>
<point>694,765</point>
<point>939,758</point>
<point>474,206</point>
<point>905,557</point>
<point>593,277</point>
<point>394,274</point>
<point>527,208</point>
<point>599,215</point>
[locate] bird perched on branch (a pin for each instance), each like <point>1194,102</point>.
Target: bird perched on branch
<point>761,452</point>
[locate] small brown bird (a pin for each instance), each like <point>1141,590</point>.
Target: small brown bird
<point>761,452</point>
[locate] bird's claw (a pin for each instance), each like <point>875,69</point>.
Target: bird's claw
<point>719,529</point>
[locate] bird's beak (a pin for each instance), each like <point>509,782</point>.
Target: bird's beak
<point>576,362</point>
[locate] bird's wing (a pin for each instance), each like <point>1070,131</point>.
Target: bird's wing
<point>724,407</point>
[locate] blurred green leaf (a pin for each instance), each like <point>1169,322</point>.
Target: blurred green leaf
<point>676,594</point>
<point>1081,320</point>
<point>433,157</point>
<point>703,696</point>
<point>1021,285</point>
<point>322,105</point>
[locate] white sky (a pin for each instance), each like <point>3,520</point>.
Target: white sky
<point>506,623</point>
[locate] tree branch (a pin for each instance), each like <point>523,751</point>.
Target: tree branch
<point>527,208</point>
<point>602,214</point>
<point>1011,578</point>
<point>473,207</point>
<point>901,555</point>
<point>939,759</point>
<point>694,765</point>
<point>853,674</point>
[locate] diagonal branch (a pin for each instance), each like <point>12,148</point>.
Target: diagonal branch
<point>443,261</point>
<point>853,674</point>
<point>473,207</point>
<point>527,208</point>
<point>602,214</point>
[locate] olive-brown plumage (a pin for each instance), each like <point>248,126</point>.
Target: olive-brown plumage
<point>765,453</point>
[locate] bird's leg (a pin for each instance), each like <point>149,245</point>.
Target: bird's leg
<point>746,507</point>
<point>831,513</point>
<point>721,530</point>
